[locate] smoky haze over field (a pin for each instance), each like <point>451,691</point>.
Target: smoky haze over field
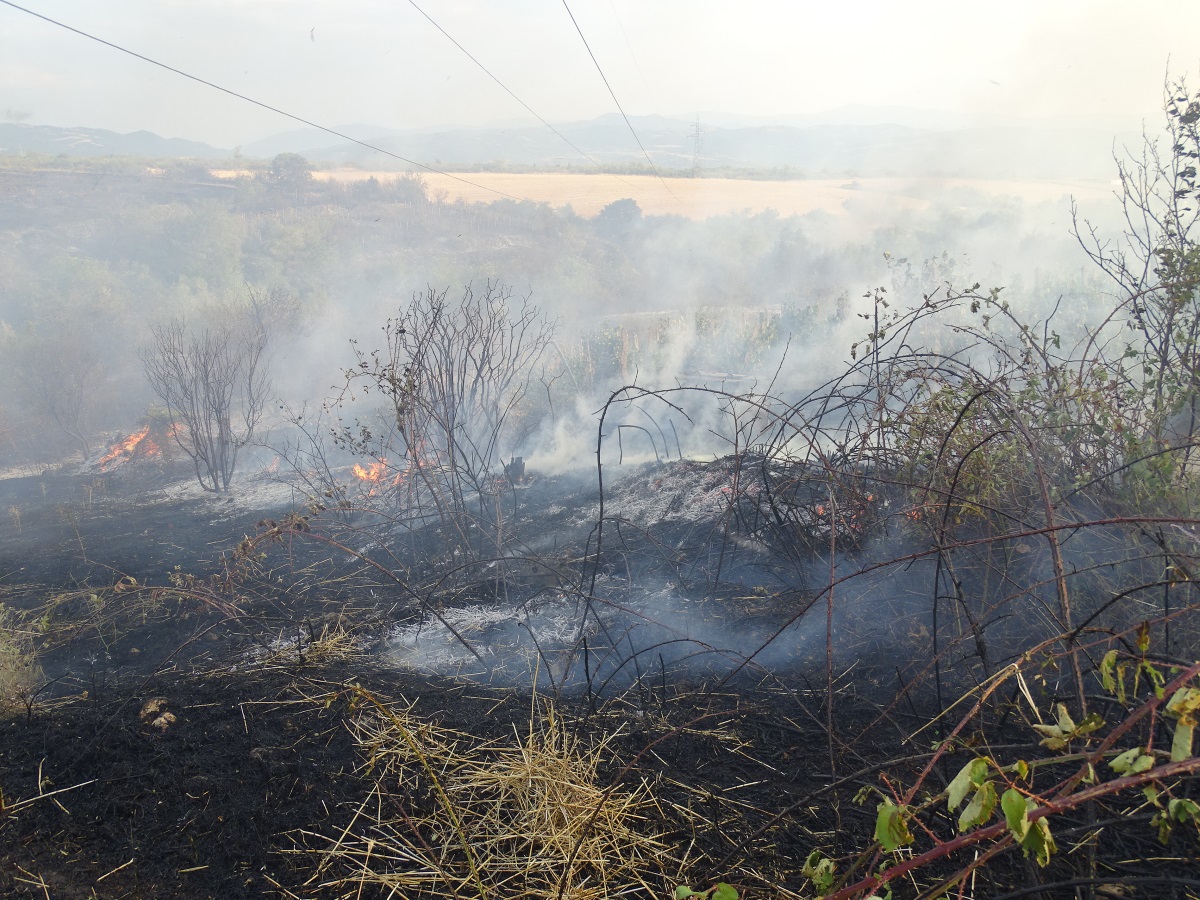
<point>100,251</point>
<point>97,251</point>
<point>94,257</point>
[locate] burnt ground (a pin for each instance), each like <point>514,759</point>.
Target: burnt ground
<point>205,807</point>
<point>258,750</point>
<point>255,758</point>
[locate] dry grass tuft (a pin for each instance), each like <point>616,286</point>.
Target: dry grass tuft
<point>333,643</point>
<point>20,673</point>
<point>448,817</point>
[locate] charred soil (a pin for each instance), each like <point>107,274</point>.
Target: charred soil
<point>199,735</point>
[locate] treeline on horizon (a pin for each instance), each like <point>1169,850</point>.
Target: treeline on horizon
<point>255,166</point>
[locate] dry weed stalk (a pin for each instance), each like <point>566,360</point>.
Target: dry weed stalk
<point>448,816</point>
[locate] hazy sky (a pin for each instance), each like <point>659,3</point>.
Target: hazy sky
<point>381,62</point>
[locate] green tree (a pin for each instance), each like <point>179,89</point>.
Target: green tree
<point>290,171</point>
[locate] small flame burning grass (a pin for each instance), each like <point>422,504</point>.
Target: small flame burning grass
<point>373,473</point>
<point>145,443</point>
<point>137,444</point>
<point>123,450</point>
<point>377,474</point>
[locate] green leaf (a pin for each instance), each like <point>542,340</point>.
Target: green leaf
<point>1065,723</point>
<point>1184,705</point>
<point>1121,763</point>
<point>682,893</point>
<point>969,776</point>
<point>1054,738</point>
<point>1058,735</point>
<point>891,828</point>
<point>1132,762</point>
<point>1034,837</point>
<point>864,793</point>
<point>1039,843</point>
<point>1143,637</point>
<point>1121,669</point>
<point>1162,821</point>
<point>1181,745</point>
<point>1016,813</point>
<point>724,892</point>
<point>1183,809</point>
<point>980,809</point>
<point>1155,677</point>
<point>820,871</point>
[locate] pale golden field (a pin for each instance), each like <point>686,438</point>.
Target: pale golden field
<point>702,197</point>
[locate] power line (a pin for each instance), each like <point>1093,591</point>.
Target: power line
<point>632,55</point>
<point>698,140</point>
<point>653,167</point>
<point>529,109</point>
<point>258,103</point>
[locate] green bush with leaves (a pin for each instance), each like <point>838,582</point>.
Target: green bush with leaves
<point>991,806</point>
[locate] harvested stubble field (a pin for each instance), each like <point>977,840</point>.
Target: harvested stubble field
<point>698,198</point>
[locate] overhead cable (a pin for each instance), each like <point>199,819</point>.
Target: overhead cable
<point>258,103</point>
<point>612,93</point>
<point>507,90</point>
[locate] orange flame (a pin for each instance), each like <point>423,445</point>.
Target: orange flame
<point>377,473</point>
<point>373,473</point>
<point>124,449</point>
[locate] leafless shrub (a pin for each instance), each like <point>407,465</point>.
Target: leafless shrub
<point>455,377</point>
<point>212,378</point>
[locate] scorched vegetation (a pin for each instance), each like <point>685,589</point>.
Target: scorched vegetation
<point>925,627</point>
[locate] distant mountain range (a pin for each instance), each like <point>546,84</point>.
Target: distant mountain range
<point>49,139</point>
<point>916,143</point>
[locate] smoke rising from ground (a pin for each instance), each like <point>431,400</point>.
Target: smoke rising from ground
<point>731,291</point>
<point>706,310</point>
